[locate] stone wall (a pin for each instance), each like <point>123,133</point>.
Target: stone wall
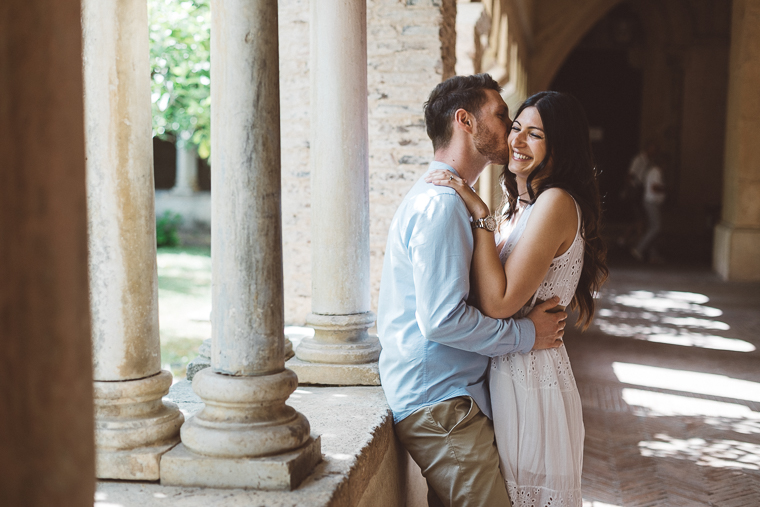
<point>404,64</point>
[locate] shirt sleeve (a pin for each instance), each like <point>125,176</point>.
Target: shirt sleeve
<point>440,246</point>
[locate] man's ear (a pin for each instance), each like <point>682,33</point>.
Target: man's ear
<point>464,120</point>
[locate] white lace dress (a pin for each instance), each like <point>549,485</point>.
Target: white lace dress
<point>536,407</point>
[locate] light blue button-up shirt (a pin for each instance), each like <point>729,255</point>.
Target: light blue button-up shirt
<point>435,346</point>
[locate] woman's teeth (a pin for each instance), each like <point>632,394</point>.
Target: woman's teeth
<point>520,156</point>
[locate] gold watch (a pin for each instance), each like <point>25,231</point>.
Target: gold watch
<point>488,223</point>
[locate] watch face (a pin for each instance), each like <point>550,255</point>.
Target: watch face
<point>490,223</point>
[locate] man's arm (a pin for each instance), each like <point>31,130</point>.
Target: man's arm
<point>440,246</point>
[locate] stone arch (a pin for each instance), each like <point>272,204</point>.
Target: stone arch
<point>559,26</point>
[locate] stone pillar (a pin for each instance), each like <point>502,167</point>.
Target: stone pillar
<point>245,436</point>
<point>736,253</point>
<point>133,427</point>
<point>186,182</point>
<point>341,351</point>
<point>47,453</point>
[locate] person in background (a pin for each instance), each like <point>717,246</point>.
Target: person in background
<point>633,193</point>
<point>654,196</point>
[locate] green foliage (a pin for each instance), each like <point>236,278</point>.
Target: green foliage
<point>180,47</point>
<point>166,229</point>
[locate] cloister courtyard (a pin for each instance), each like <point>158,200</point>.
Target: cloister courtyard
<point>667,374</point>
<point>316,134</point>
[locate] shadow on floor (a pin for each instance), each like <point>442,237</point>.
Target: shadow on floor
<point>669,375</point>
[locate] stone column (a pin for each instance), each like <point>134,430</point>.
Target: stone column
<point>341,351</point>
<point>133,427</point>
<point>47,453</point>
<point>186,182</point>
<point>245,436</point>
<point>736,253</point>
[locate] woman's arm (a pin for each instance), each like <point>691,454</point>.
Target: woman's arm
<point>500,291</point>
<point>549,232</point>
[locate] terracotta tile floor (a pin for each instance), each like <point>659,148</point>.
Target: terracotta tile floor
<point>669,374</point>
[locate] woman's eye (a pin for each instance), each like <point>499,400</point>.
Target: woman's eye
<point>536,136</point>
<point>515,129</point>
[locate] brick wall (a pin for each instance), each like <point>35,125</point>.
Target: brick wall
<point>408,53</point>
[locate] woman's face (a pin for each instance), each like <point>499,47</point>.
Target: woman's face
<point>527,143</point>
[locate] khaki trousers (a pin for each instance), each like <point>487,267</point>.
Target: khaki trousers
<point>453,443</point>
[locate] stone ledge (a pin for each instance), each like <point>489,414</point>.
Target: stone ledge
<point>363,463</point>
<point>366,374</point>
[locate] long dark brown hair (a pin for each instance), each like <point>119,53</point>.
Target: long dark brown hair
<point>573,170</point>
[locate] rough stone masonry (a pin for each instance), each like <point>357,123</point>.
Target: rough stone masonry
<point>410,46</point>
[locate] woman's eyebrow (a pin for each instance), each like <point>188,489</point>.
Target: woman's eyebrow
<point>536,128</point>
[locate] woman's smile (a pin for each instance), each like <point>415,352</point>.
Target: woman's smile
<point>527,144</point>
<point>516,155</point>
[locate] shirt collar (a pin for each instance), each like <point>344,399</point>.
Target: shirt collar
<point>435,165</point>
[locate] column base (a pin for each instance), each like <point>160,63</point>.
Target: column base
<point>340,339</point>
<point>245,417</point>
<point>735,252</point>
<point>366,374</point>
<point>140,464</point>
<point>134,426</point>
<point>182,467</point>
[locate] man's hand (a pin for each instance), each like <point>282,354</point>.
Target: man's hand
<point>550,326</point>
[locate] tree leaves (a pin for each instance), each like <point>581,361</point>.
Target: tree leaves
<point>180,48</point>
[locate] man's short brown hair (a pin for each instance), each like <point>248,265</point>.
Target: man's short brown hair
<point>458,92</point>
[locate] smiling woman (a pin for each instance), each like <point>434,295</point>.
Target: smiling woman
<point>527,144</point>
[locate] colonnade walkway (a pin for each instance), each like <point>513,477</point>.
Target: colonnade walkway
<point>669,376</point>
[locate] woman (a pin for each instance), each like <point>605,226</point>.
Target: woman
<point>550,246</point>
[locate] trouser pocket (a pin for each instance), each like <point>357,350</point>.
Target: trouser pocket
<point>453,413</point>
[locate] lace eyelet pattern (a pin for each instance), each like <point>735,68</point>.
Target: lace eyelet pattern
<point>534,395</point>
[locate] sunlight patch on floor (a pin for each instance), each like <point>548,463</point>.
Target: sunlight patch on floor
<point>718,414</point>
<point>714,453</point>
<point>668,301</point>
<point>662,317</point>
<point>687,381</point>
<point>704,341</point>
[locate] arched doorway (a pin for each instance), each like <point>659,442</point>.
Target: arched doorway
<point>658,71</point>
<point>600,74</point>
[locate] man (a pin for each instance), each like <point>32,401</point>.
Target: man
<point>632,194</point>
<point>435,347</point>
<point>654,196</point>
